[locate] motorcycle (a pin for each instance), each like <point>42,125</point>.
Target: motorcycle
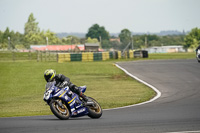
<point>198,55</point>
<point>64,103</point>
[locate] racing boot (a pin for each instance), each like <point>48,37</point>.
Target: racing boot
<point>87,102</point>
<point>78,91</point>
<point>85,98</point>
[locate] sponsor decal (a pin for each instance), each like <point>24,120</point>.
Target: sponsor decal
<point>72,109</point>
<point>58,90</point>
<point>81,110</point>
<point>78,106</point>
<point>66,98</point>
<point>72,103</point>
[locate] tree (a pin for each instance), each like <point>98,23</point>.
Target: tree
<point>5,36</point>
<point>35,38</point>
<point>3,45</point>
<point>32,32</point>
<point>82,40</point>
<point>9,39</point>
<point>6,39</point>
<point>52,39</point>
<point>151,40</point>
<point>31,26</point>
<point>98,32</point>
<point>106,44</point>
<point>70,40</point>
<point>19,38</point>
<point>1,36</point>
<point>192,39</point>
<point>90,40</point>
<point>125,37</point>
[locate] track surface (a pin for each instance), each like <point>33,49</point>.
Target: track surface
<point>177,110</point>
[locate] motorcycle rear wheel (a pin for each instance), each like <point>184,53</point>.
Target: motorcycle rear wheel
<point>61,112</point>
<point>95,111</point>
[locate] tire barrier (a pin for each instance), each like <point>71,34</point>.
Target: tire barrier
<point>63,57</point>
<point>105,56</point>
<point>141,53</point>
<point>76,57</point>
<point>98,56</point>
<point>88,56</point>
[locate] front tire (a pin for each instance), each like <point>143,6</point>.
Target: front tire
<point>61,112</point>
<point>95,111</point>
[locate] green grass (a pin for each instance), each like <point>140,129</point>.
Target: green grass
<point>22,84</point>
<point>172,56</point>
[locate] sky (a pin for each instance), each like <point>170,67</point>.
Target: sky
<point>115,15</point>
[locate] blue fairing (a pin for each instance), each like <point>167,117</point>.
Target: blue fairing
<point>83,88</point>
<point>71,99</point>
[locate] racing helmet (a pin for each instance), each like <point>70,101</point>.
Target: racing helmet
<point>49,75</point>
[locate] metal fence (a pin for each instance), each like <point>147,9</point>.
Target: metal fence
<point>28,56</point>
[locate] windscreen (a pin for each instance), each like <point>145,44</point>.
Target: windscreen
<point>49,85</point>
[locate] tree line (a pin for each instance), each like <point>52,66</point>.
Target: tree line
<point>96,34</point>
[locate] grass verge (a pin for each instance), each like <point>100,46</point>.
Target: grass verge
<point>172,55</point>
<point>22,84</point>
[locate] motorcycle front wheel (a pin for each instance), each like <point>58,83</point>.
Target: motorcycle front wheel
<point>59,109</point>
<point>94,111</point>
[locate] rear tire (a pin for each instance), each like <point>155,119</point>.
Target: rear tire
<point>198,60</point>
<point>96,111</point>
<point>61,112</point>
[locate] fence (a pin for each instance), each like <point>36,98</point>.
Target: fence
<point>46,56</point>
<point>27,56</point>
<point>15,56</point>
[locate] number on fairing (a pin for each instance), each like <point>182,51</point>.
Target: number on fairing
<point>47,94</point>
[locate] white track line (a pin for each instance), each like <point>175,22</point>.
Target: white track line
<point>151,100</point>
<point>185,132</point>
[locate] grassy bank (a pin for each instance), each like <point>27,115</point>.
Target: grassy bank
<point>172,56</point>
<point>22,84</point>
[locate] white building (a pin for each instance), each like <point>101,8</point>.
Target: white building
<point>165,49</point>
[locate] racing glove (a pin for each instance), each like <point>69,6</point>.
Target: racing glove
<point>65,83</point>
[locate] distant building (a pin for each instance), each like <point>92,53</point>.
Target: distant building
<point>81,47</point>
<point>92,47</point>
<point>115,40</point>
<point>57,47</point>
<point>165,49</point>
<point>89,47</point>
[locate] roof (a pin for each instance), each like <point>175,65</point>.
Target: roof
<point>167,46</point>
<point>37,46</point>
<point>115,39</point>
<point>92,44</point>
<point>56,47</point>
<point>81,47</point>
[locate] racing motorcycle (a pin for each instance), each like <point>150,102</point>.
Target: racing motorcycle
<point>198,55</point>
<point>64,103</point>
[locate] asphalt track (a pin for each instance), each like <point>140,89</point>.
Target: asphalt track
<point>176,110</point>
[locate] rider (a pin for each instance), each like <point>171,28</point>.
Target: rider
<point>198,48</point>
<point>62,81</point>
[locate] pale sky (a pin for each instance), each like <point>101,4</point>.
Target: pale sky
<point>114,15</point>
